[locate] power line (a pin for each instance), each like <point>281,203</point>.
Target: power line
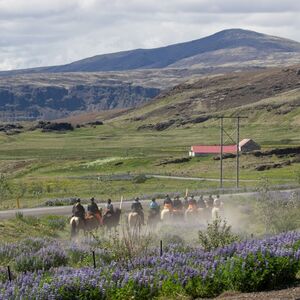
<point>222,130</point>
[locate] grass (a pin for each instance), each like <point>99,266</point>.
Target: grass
<point>49,165</point>
<point>21,227</point>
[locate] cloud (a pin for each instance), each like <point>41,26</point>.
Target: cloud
<point>35,32</point>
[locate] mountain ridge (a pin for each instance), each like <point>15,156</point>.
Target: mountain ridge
<point>163,57</point>
<point>60,91</point>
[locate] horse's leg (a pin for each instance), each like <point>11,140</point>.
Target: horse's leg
<point>73,229</point>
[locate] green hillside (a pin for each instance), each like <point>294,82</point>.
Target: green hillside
<point>92,161</point>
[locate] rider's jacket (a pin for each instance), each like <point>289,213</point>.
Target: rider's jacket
<point>177,204</point>
<point>110,207</point>
<point>154,205</point>
<point>78,211</point>
<point>93,208</point>
<point>136,207</point>
<point>192,204</point>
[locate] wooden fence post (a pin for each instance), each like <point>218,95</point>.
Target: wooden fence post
<point>94,259</point>
<point>9,273</point>
<point>161,248</point>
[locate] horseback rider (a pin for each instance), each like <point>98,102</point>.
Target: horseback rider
<point>192,203</point>
<point>109,208</point>
<point>201,202</point>
<point>210,201</point>
<point>168,204</point>
<point>177,204</point>
<point>78,210</point>
<point>93,210</point>
<point>217,210</point>
<point>93,207</point>
<point>185,202</point>
<point>154,207</point>
<point>138,208</point>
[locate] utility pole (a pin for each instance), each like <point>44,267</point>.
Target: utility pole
<point>238,152</point>
<point>221,150</point>
<point>237,141</point>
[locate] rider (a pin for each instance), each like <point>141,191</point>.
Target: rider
<point>168,204</point>
<point>210,201</point>
<point>137,207</point>
<point>185,202</point>
<point>201,202</point>
<point>177,203</point>
<point>154,206</point>
<point>93,209</point>
<point>109,207</point>
<point>78,210</point>
<point>217,210</point>
<point>192,203</point>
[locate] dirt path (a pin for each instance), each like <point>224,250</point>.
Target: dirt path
<point>284,294</point>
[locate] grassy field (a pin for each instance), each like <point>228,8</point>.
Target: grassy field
<point>39,166</point>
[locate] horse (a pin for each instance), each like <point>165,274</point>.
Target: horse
<point>166,214</point>
<point>153,217</point>
<point>217,210</point>
<point>112,220</point>
<point>194,214</point>
<point>178,214</point>
<point>134,220</point>
<point>89,223</point>
<point>77,224</point>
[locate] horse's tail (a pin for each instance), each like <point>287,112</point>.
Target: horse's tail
<point>73,223</point>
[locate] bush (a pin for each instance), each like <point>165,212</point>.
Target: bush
<point>139,179</point>
<point>3,274</point>
<point>276,212</point>
<point>44,259</point>
<point>217,234</point>
<point>258,272</point>
<point>55,222</point>
<point>130,244</point>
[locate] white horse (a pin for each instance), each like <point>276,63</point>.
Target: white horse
<point>194,215</point>
<point>77,224</point>
<point>134,220</point>
<point>217,211</point>
<point>166,215</point>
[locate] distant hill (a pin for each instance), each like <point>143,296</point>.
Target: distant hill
<point>137,76</point>
<point>271,95</point>
<point>227,46</point>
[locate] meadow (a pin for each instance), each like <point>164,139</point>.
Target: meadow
<point>37,166</point>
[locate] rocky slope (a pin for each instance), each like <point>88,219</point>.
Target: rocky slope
<point>35,99</point>
<point>275,91</point>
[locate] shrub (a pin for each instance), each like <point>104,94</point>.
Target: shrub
<point>3,274</point>
<point>55,222</point>
<point>217,234</point>
<point>44,259</point>
<point>258,272</point>
<point>139,178</point>
<point>277,213</point>
<point>130,244</point>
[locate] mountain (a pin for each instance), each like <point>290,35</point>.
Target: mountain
<point>231,45</point>
<point>132,78</point>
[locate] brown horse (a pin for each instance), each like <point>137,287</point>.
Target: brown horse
<point>112,220</point>
<point>153,217</point>
<point>90,223</point>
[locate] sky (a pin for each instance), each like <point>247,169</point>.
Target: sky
<point>52,32</point>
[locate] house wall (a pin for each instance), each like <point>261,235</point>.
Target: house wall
<point>250,146</point>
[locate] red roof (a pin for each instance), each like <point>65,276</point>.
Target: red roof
<point>214,149</point>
